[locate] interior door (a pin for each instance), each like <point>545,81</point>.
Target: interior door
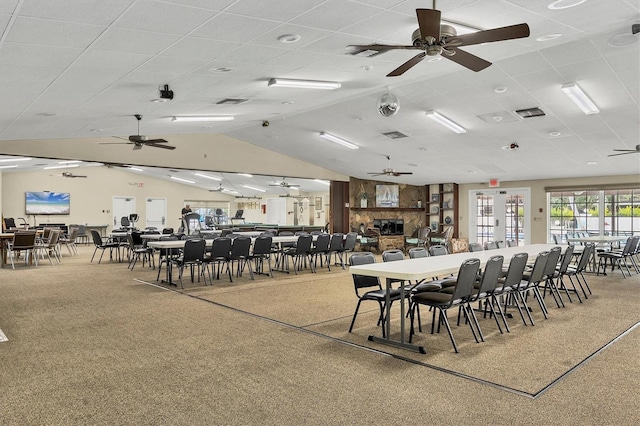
<point>500,215</point>
<point>122,206</point>
<point>156,213</point>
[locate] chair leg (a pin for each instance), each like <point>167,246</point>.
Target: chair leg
<point>443,318</point>
<point>353,320</point>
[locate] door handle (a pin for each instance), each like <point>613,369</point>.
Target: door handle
<point>163,220</point>
<point>497,222</point>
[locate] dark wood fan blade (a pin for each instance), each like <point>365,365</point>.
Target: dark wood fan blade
<point>376,174</point>
<point>155,145</point>
<point>402,173</point>
<point>487,36</point>
<point>148,141</point>
<point>378,48</point>
<point>407,65</point>
<point>622,153</point>
<point>466,59</point>
<point>429,23</point>
<point>115,143</point>
<point>625,150</point>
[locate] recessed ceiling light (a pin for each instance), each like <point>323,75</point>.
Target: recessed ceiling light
<point>497,118</point>
<point>500,89</point>
<point>435,59</point>
<point>472,171</point>
<point>367,67</point>
<point>564,4</point>
<point>288,102</point>
<point>554,134</point>
<point>159,100</point>
<point>289,38</point>
<point>620,40</point>
<point>96,130</point>
<point>549,37</point>
<point>413,165</point>
<point>221,69</point>
<point>591,163</point>
<point>423,148</point>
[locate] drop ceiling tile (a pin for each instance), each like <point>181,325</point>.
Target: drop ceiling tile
<point>307,36</point>
<point>253,54</point>
<point>524,64</point>
<point>52,33</point>
<point>126,40</point>
<point>576,51</point>
<point>204,4</point>
<point>334,15</point>
<point>105,59</point>
<point>592,68</point>
<point>8,6</point>
<point>624,61</point>
<point>234,28</point>
<point>15,72</point>
<point>540,79</point>
<point>21,85</point>
<point>172,66</point>
<point>19,53</point>
<point>95,12</point>
<point>161,17</point>
<point>4,21</point>
<point>275,11</point>
<point>380,25</point>
<point>200,48</point>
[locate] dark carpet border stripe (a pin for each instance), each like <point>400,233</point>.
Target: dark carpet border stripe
<point>406,359</point>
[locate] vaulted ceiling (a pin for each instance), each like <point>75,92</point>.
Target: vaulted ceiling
<point>74,73</point>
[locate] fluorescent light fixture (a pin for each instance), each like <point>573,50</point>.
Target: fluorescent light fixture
<point>69,162</point>
<point>245,175</point>
<point>202,175</point>
<point>332,138</point>
<point>136,169</point>
<point>575,93</point>
<point>186,118</point>
<point>304,84</point>
<point>324,182</point>
<point>439,118</point>
<point>254,188</point>
<point>181,180</point>
<point>230,191</point>
<point>12,160</point>
<point>63,166</point>
<point>13,166</point>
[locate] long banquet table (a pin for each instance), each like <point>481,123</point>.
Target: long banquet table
<point>425,268</point>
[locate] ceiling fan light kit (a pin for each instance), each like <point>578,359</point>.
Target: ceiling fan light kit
<point>444,121</point>
<point>166,93</point>
<point>580,98</point>
<point>340,141</point>
<point>304,84</point>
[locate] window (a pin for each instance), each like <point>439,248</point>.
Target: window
<point>593,212</point>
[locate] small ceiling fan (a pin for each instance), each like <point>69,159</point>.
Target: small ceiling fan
<point>626,151</point>
<point>435,38</point>
<point>138,140</point>
<point>220,188</point>
<point>389,171</point>
<point>284,184</point>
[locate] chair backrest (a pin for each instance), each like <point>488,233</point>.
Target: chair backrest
<point>350,241</point>
<point>552,261</point>
<point>73,234</point>
<point>285,234</point>
<point>566,259</point>
<point>586,256</point>
<point>124,221</point>
<point>417,252</point>
<point>516,269</point>
<point>490,274</point>
<point>221,248</point>
<point>226,232</point>
<point>303,245</point>
<point>191,222</point>
<point>363,281</point>
<point>240,247</point>
<point>97,239</point>
<point>208,220</point>
<point>336,241</point>
<point>392,255</point>
<point>262,245</point>
<point>629,246</point>
<point>475,247</point>
<point>9,223</point>
<point>537,273</point>
<point>512,243</point>
<point>501,244</point>
<point>490,245</point>
<point>136,238</point>
<point>193,250</point>
<point>423,233</point>
<point>219,212</point>
<point>438,250</point>
<point>54,235</point>
<point>322,242</point>
<point>167,231</point>
<point>24,240</point>
<point>466,279</point>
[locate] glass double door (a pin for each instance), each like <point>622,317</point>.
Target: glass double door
<point>499,215</point>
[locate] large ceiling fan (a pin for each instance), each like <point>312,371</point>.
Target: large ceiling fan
<point>389,171</point>
<point>626,151</point>
<point>284,184</point>
<point>138,140</point>
<point>435,38</point>
<point>69,175</point>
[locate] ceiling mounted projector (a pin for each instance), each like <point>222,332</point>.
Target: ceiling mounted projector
<point>165,93</point>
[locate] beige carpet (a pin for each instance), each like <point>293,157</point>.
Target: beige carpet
<point>90,344</point>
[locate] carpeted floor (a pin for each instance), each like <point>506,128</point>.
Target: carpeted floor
<point>99,344</point>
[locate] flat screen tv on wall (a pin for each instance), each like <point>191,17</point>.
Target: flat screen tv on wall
<point>44,203</point>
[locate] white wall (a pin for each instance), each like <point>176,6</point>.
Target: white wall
<point>92,198</point>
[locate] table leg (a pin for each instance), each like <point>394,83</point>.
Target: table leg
<point>387,340</point>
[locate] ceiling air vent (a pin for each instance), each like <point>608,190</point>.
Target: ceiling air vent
<point>395,135</point>
<point>231,101</point>
<point>530,112</point>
